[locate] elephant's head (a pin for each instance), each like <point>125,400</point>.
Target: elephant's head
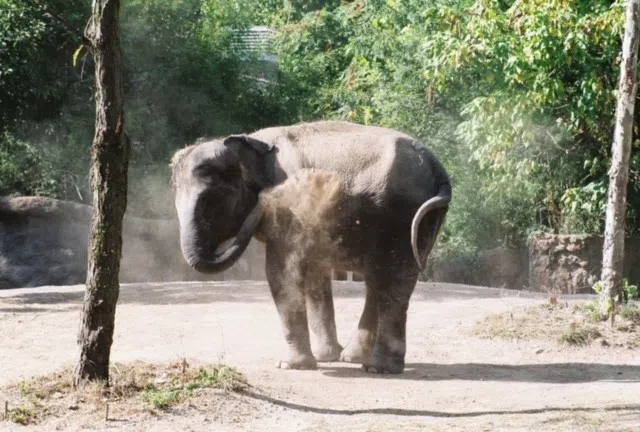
<point>216,185</point>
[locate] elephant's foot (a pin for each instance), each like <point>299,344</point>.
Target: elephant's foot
<point>306,362</point>
<point>381,364</point>
<point>387,357</point>
<point>328,352</point>
<point>354,354</point>
<point>359,349</point>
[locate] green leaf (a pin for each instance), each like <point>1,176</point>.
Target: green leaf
<point>76,54</point>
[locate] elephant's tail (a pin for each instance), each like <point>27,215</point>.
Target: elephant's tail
<point>441,200</point>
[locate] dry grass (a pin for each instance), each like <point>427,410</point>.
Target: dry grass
<point>571,324</point>
<point>135,388</point>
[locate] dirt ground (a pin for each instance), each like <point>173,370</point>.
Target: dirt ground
<point>454,381</point>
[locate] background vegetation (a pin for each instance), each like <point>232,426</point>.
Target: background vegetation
<point>516,97</point>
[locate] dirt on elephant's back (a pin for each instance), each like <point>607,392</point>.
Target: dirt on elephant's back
<point>453,380</point>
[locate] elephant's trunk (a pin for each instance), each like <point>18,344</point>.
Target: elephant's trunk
<point>206,258</point>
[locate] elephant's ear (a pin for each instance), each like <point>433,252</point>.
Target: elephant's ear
<point>257,166</point>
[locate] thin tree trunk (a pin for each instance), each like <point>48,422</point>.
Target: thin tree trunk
<point>613,250</point>
<point>110,160</point>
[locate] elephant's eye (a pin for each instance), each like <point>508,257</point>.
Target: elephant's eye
<point>205,171</point>
<point>230,174</point>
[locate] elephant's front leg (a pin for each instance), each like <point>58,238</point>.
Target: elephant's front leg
<point>322,321</point>
<point>286,284</point>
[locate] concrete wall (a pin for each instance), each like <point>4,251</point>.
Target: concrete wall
<point>499,268</point>
<point>44,242</point>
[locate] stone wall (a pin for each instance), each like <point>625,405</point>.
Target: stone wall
<point>44,242</point>
<point>573,263</point>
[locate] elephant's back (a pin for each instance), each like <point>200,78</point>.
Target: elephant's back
<point>374,161</point>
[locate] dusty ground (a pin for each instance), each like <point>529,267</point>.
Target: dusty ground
<point>453,381</point>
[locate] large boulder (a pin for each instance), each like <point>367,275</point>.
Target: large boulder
<point>43,241</point>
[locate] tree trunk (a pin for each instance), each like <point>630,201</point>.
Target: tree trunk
<point>110,160</point>
<point>613,250</point>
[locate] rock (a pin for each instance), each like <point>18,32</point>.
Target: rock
<point>43,241</point>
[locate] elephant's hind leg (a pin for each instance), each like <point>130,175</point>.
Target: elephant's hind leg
<point>286,284</point>
<point>392,298</point>
<point>320,312</point>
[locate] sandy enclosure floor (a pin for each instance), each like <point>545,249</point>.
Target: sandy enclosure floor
<point>453,381</point>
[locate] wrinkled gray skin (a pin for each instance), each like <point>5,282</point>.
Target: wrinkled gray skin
<point>397,196</point>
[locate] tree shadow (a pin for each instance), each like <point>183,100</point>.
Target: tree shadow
<point>543,373</point>
<point>430,413</point>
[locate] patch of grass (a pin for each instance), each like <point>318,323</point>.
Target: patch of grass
<point>576,324</point>
<point>163,398</point>
<point>577,335</point>
<point>524,324</point>
<point>223,377</point>
<point>180,387</point>
<point>23,416</point>
<point>44,387</point>
<point>631,313</point>
<point>134,386</point>
<point>593,312</point>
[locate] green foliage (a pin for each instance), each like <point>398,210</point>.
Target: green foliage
<point>206,87</point>
<point>23,167</point>
<point>593,310</point>
<point>517,98</point>
<point>544,74</point>
<point>584,207</point>
<point>629,291</point>
<point>182,81</point>
<point>619,304</point>
<point>35,42</point>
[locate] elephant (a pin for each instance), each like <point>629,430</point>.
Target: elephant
<point>394,197</point>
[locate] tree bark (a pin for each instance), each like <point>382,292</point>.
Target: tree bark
<point>613,249</point>
<point>110,160</point>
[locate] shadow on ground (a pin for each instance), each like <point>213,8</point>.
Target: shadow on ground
<point>635,408</point>
<point>152,294</point>
<point>545,373</point>
<point>26,309</point>
<point>236,291</point>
